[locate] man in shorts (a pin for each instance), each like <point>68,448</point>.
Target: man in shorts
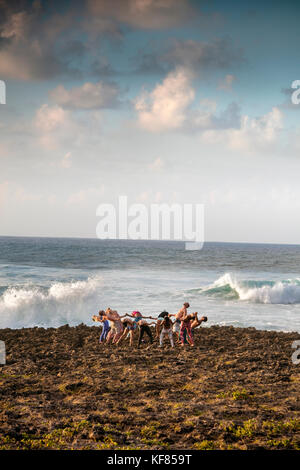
<point>179,316</point>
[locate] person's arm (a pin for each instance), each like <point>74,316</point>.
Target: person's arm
<point>96,318</point>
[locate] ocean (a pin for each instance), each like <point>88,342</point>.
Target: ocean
<point>50,282</point>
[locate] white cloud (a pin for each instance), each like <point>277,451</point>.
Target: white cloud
<point>253,133</point>
<point>169,107</point>
<point>56,127</point>
<point>165,107</point>
<point>50,118</point>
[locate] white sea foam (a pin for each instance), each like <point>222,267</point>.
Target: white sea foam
<point>265,292</point>
<point>62,303</point>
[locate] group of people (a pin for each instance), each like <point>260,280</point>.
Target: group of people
<point>116,328</point>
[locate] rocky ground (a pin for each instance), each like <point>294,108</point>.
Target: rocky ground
<point>236,389</point>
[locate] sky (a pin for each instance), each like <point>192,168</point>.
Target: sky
<point>164,101</point>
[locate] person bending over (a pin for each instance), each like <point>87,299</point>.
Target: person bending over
<point>137,317</point>
<point>128,330</point>
<point>195,320</point>
<point>159,321</point>
<point>116,325</point>
<point>144,328</point>
<point>178,319</point>
<point>166,330</point>
<point>105,325</point>
<point>185,327</point>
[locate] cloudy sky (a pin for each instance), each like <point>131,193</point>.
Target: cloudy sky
<point>172,101</point>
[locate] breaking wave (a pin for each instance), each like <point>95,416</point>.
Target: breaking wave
<point>264,291</point>
<point>61,303</point>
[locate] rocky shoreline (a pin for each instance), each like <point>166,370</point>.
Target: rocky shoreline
<point>236,389</point>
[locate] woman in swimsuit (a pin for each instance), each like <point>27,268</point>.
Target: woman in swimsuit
<point>116,325</point>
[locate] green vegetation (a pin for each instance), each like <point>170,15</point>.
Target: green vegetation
<point>205,445</point>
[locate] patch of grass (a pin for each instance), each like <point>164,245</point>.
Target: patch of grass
<point>60,438</point>
<point>240,395</point>
<point>247,429</point>
<point>251,428</point>
<point>108,443</point>
<point>205,445</point>
<point>72,388</point>
<point>149,431</point>
<point>283,444</point>
<point>275,428</point>
<point>155,442</point>
<point>237,394</point>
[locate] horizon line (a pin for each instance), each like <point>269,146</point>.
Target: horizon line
<point>147,240</point>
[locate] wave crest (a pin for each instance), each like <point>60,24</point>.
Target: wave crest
<point>265,291</point>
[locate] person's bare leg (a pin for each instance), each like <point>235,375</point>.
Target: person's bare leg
<point>131,334</point>
<point>117,337</point>
<point>122,336</point>
<point>109,336</point>
<point>158,328</point>
<point>189,336</point>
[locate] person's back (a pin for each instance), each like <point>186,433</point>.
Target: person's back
<point>166,329</point>
<point>116,325</point>
<point>167,323</point>
<point>112,315</point>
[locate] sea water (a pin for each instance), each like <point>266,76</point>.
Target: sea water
<point>53,281</point>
